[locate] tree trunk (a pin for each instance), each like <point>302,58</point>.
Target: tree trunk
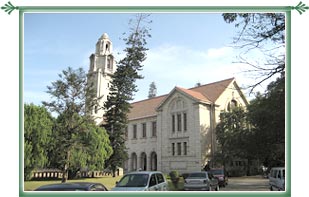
<point>65,172</point>
<point>248,167</point>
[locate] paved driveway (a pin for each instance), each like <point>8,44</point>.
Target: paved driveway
<point>250,183</point>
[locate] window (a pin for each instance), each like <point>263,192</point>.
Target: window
<point>185,121</point>
<point>178,109</point>
<point>179,148</point>
<point>154,129</point>
<point>134,131</point>
<point>160,178</point>
<point>178,122</point>
<point>144,130</point>
<point>185,148</point>
<point>232,105</point>
<point>173,123</point>
<point>153,180</point>
<point>173,148</point>
<point>109,63</point>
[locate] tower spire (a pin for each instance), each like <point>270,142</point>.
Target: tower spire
<point>101,69</point>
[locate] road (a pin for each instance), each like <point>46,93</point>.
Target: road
<point>250,183</point>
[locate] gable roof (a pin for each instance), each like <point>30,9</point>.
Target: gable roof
<point>195,95</point>
<point>145,108</point>
<point>213,90</point>
<point>208,93</point>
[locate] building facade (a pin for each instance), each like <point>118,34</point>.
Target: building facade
<point>175,131</point>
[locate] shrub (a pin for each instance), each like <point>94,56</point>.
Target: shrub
<point>174,178</point>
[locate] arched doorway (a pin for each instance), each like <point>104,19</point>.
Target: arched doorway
<point>133,161</point>
<point>153,161</point>
<point>143,161</point>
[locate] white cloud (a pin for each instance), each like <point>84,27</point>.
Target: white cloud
<point>219,52</point>
<point>169,66</point>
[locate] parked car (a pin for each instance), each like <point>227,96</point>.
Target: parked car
<point>277,179</point>
<point>220,174</point>
<point>142,181</point>
<point>78,186</point>
<point>201,181</point>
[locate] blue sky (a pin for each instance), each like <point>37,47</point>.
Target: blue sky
<point>185,48</point>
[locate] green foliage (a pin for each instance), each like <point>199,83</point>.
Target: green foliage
<point>78,142</point>
<point>38,125</point>
<point>123,88</point>
<point>259,133</point>
<point>233,134</point>
<point>70,94</point>
<point>258,27</point>
<point>152,90</point>
<point>267,116</point>
<point>174,174</point>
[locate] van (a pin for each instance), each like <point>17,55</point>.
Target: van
<point>277,179</point>
<point>142,181</point>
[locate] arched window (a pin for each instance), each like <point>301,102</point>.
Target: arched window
<point>106,47</point>
<point>143,161</point>
<point>153,161</point>
<point>232,104</point>
<point>109,62</point>
<point>133,161</point>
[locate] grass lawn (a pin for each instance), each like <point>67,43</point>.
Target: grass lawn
<point>108,181</point>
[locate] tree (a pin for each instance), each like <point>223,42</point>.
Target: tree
<point>152,90</point>
<point>260,33</point>
<point>258,133</point>
<point>123,87</point>
<point>234,137</point>
<point>198,84</point>
<point>267,116</point>
<point>38,124</point>
<point>74,129</point>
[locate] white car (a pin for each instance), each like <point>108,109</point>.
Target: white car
<point>277,179</point>
<point>142,181</point>
<point>201,181</point>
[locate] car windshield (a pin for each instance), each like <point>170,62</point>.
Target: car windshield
<point>197,175</point>
<point>217,172</point>
<point>133,180</point>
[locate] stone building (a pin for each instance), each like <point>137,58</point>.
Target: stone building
<point>175,131</point>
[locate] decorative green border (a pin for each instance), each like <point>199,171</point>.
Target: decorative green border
<point>300,8</point>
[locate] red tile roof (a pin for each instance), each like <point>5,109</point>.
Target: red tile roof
<point>145,108</point>
<point>213,90</point>
<point>208,93</point>
<point>196,95</point>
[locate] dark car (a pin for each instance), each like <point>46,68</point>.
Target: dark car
<point>220,175</point>
<point>78,186</point>
<point>201,181</point>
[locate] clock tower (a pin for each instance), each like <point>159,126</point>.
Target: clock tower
<point>101,69</point>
